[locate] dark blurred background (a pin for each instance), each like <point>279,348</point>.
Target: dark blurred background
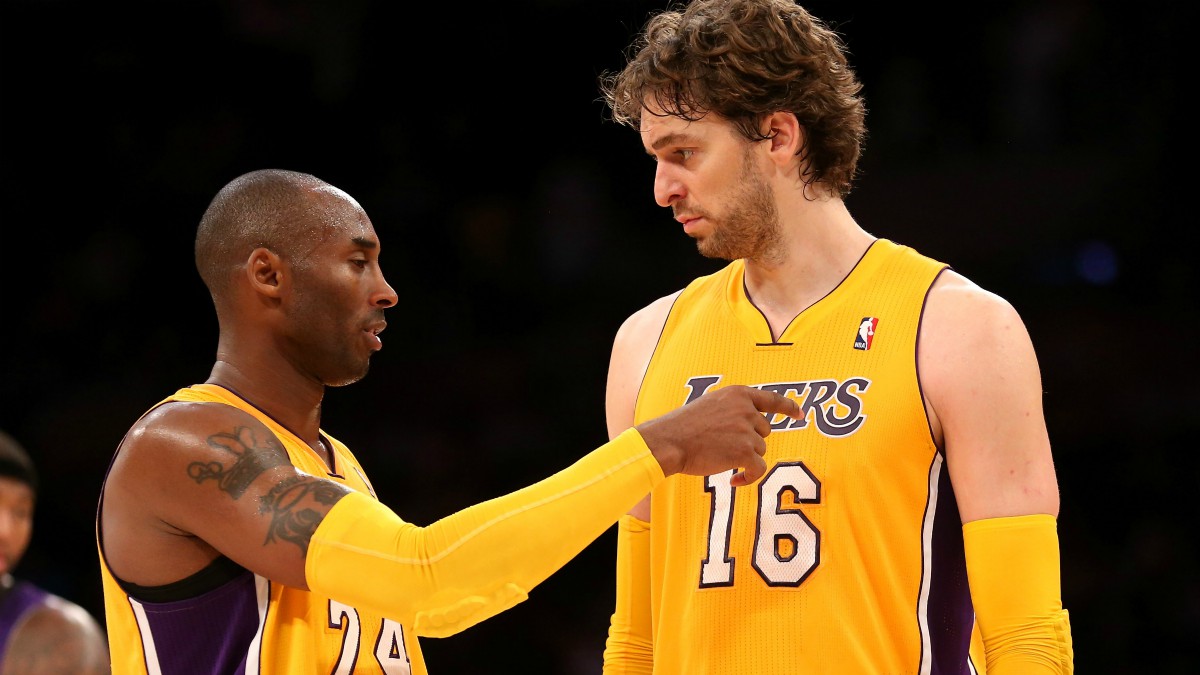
<point>1030,144</point>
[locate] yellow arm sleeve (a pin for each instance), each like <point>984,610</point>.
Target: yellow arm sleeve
<point>472,565</point>
<point>629,649</point>
<point>1013,570</point>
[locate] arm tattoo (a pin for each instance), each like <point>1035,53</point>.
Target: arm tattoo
<point>291,521</point>
<point>252,457</point>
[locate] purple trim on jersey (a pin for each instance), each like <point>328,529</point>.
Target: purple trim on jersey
<point>950,614</point>
<point>917,353</point>
<point>21,598</point>
<point>210,633</point>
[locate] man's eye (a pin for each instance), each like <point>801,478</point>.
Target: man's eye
<point>359,263</point>
<point>685,153</point>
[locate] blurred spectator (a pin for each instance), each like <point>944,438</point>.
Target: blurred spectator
<point>40,632</point>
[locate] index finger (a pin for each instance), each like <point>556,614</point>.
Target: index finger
<point>771,402</point>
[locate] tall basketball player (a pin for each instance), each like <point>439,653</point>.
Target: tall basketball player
<point>915,501</point>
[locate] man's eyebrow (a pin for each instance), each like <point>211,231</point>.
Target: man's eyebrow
<point>363,242</point>
<point>675,138</point>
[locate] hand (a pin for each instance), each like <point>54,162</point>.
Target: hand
<point>723,429</point>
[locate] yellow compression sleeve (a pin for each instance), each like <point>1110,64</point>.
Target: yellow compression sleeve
<point>629,649</point>
<point>472,565</point>
<point>1013,570</point>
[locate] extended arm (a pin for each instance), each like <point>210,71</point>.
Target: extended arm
<point>983,387</point>
<point>484,559</point>
<point>197,480</point>
<point>480,561</point>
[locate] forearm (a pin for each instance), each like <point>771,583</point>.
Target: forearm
<point>1013,570</point>
<point>629,649</point>
<point>484,559</point>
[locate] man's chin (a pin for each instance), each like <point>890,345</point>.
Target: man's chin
<point>350,379</point>
<point>708,250</point>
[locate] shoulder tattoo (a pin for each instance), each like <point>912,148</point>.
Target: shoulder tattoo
<point>291,520</point>
<point>250,456</point>
<point>289,504</point>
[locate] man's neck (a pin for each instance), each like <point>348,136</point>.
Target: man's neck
<point>293,401</point>
<point>821,245</point>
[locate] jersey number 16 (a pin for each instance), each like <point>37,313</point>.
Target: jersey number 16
<point>787,546</point>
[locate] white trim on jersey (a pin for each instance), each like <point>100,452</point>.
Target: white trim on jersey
<point>262,589</point>
<point>935,472</point>
<point>149,652</point>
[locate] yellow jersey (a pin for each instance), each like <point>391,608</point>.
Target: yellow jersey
<point>847,556</point>
<point>225,619</point>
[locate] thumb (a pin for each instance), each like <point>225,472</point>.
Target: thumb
<point>749,474</point>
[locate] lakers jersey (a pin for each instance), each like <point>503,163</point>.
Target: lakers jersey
<point>225,619</point>
<point>847,556</point>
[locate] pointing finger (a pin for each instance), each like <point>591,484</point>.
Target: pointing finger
<point>771,402</point>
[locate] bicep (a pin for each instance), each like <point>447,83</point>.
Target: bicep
<point>193,483</point>
<point>632,349</point>
<point>982,379</point>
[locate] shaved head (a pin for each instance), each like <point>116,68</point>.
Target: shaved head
<point>287,212</point>
<point>292,265</point>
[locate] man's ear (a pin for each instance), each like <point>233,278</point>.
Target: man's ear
<point>786,137</point>
<point>265,270</point>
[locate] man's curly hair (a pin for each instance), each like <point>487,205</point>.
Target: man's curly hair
<point>744,60</point>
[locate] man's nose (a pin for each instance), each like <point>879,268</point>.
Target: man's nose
<point>668,189</point>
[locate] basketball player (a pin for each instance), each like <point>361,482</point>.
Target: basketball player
<point>40,632</point>
<point>916,496</point>
<point>237,536</point>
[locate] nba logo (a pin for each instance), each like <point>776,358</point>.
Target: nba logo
<point>866,333</point>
